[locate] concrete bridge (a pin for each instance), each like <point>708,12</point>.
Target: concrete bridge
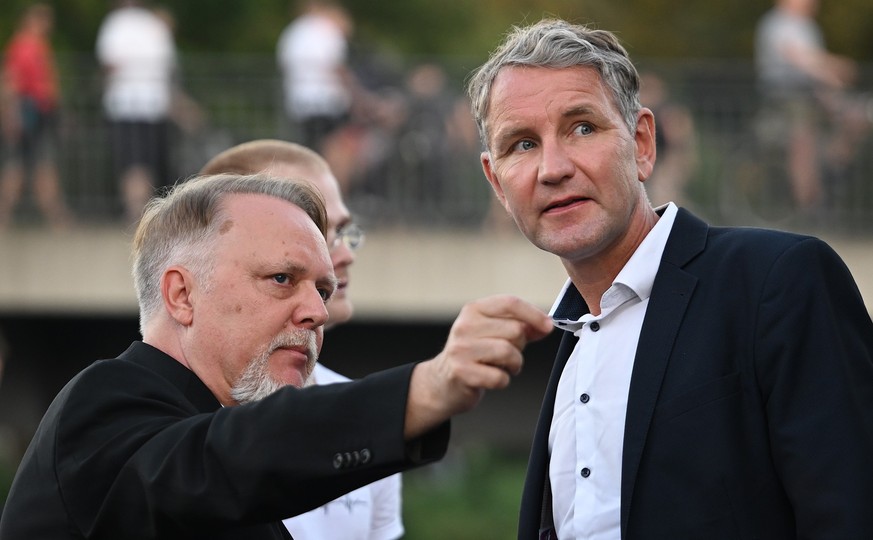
<point>397,276</point>
<point>67,299</point>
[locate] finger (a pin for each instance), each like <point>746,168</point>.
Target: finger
<point>538,323</point>
<point>483,376</point>
<point>495,352</point>
<point>478,326</point>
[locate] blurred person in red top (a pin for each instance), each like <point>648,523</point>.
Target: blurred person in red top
<point>29,118</point>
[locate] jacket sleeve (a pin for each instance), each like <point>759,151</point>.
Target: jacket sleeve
<point>148,463</point>
<point>814,362</point>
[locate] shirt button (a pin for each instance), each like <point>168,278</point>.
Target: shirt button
<point>595,326</point>
<point>584,398</point>
<point>585,472</point>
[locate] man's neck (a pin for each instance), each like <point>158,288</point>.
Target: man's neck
<point>593,276</point>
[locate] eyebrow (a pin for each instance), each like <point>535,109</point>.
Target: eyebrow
<point>295,270</point>
<point>579,110</point>
<point>501,137</point>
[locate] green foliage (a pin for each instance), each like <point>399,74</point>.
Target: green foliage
<point>650,28</point>
<point>473,497</point>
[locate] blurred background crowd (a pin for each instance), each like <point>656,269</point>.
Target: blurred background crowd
<point>101,103</point>
<point>116,102</point>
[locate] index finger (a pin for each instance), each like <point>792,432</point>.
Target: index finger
<point>538,324</point>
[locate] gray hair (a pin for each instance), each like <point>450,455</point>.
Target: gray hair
<point>182,227</point>
<point>553,43</point>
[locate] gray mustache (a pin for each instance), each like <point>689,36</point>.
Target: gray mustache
<point>296,338</point>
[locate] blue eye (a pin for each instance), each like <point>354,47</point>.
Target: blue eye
<point>584,129</point>
<point>523,145</point>
<point>281,279</point>
<point>325,294</point>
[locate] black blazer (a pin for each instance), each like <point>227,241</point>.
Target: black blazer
<point>137,447</point>
<point>750,410</point>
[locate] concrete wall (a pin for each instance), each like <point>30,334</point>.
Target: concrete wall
<point>398,275</point>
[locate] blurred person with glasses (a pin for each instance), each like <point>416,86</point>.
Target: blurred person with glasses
<point>374,511</point>
<point>351,234</point>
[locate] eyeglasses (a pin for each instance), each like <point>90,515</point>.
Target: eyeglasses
<point>349,234</point>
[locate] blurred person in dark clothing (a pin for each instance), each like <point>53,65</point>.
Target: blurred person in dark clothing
<point>676,141</point>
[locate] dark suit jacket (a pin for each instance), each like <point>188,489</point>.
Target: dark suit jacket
<point>750,410</point>
<point>137,447</point>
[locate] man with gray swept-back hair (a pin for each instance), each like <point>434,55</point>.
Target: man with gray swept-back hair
<point>204,429</point>
<point>679,402</point>
<point>557,44</point>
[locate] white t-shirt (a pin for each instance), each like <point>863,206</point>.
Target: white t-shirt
<point>776,32</point>
<point>136,48</point>
<point>372,512</point>
<point>311,54</point>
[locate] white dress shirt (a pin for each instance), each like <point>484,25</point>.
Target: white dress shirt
<point>372,512</point>
<point>587,431</point>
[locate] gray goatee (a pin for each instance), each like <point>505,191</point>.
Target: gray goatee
<point>255,382</point>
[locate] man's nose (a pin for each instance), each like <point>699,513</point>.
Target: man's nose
<point>310,311</point>
<point>555,162</point>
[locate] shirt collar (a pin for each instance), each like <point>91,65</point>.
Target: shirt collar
<point>637,275</point>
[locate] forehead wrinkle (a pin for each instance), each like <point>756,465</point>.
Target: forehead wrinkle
<point>578,110</point>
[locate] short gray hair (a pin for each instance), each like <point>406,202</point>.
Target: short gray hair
<point>181,227</point>
<point>558,44</point>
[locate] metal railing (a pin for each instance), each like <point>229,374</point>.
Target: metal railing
<point>403,174</point>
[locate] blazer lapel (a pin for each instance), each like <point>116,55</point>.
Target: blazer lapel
<point>536,499</point>
<point>671,293</point>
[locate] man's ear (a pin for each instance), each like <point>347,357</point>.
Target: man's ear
<point>646,150</point>
<point>176,290</point>
<point>485,158</point>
